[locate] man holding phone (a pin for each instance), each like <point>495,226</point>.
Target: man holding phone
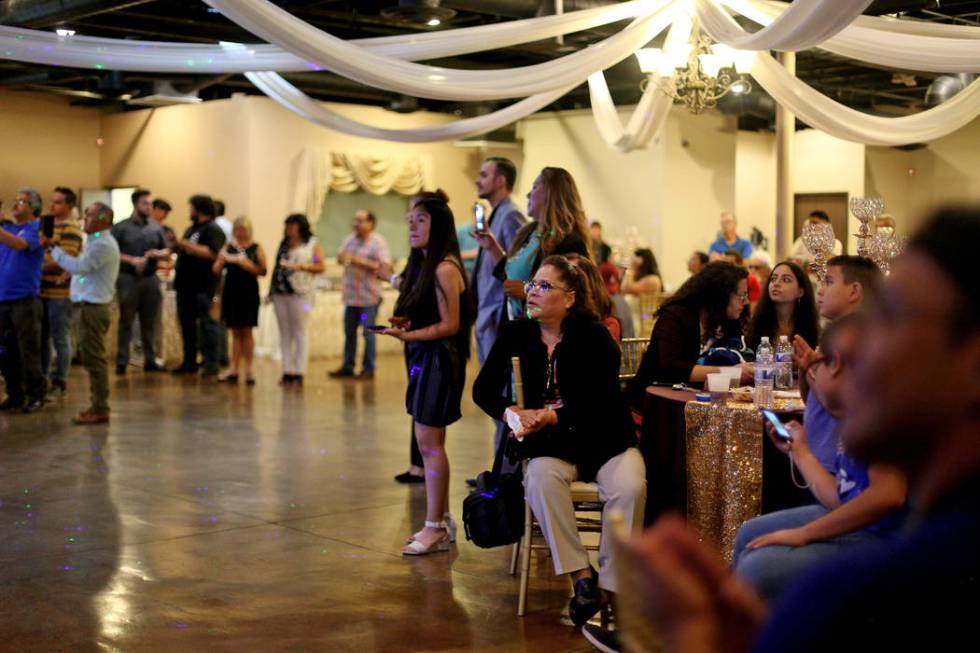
<point>56,326</point>
<point>859,504</point>
<point>21,256</point>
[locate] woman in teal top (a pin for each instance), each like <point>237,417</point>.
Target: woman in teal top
<point>559,227</point>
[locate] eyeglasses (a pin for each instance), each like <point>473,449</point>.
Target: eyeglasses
<point>543,286</point>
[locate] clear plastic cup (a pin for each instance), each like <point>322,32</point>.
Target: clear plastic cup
<point>718,385</point>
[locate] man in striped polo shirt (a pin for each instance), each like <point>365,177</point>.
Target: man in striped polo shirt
<point>56,326</point>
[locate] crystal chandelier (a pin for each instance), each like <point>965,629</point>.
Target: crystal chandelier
<point>698,72</point>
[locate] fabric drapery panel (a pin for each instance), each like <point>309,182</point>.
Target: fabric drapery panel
<point>818,110</point>
<point>801,25</point>
<point>306,41</point>
<point>290,97</point>
<point>317,172</point>
<point>886,42</point>
<point>162,56</point>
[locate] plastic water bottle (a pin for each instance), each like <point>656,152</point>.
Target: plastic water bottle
<point>764,364</point>
<point>784,364</point>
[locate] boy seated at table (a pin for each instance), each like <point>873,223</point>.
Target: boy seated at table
<point>858,505</point>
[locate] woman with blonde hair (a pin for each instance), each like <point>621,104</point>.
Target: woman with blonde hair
<point>558,227</point>
<point>245,262</point>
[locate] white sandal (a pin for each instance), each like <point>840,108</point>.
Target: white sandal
<point>416,548</point>
<point>448,523</point>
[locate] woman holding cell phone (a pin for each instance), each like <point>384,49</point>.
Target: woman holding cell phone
<point>432,317</point>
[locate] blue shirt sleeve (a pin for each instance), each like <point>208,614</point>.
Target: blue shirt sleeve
<point>30,234</point>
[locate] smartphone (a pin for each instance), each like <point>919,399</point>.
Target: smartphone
<point>47,226</point>
<point>377,328</point>
<point>777,424</point>
<point>479,214</point>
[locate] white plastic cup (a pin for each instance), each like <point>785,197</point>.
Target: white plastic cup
<point>718,385</point>
<point>735,372</point>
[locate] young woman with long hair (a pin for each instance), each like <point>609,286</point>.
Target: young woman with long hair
<point>787,308</point>
<point>432,316</point>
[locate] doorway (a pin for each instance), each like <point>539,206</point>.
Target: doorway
<point>833,204</point>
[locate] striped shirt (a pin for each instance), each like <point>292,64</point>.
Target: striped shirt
<point>361,286</point>
<point>68,237</point>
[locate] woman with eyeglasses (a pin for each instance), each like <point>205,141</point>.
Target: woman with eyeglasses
<point>575,424</point>
<point>558,227</point>
<point>709,308</point>
<point>433,318</point>
<point>787,308</point>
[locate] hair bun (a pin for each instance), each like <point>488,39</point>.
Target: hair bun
<point>441,194</point>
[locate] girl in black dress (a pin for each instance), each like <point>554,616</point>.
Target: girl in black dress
<point>432,317</point>
<point>244,261</point>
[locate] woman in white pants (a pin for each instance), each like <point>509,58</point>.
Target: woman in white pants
<point>300,256</point>
<point>576,425</point>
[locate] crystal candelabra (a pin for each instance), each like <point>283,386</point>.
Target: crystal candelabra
<point>819,240</point>
<point>866,210</point>
<point>884,247</point>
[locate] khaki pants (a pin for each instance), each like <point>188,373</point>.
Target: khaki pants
<point>622,486</point>
<point>94,327</point>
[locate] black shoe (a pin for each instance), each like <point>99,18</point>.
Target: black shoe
<point>286,379</point>
<point>342,373</point>
<point>408,477</point>
<point>120,369</point>
<point>33,405</point>
<point>297,379</point>
<point>152,367</point>
<point>606,641</point>
<point>366,375</point>
<point>183,369</point>
<point>585,603</point>
<point>209,372</point>
<point>12,404</point>
<point>471,482</point>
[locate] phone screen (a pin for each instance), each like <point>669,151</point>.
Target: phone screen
<point>375,327</point>
<point>781,429</point>
<point>47,226</point>
<point>480,216</point>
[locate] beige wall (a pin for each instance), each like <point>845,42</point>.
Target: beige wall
<point>45,142</point>
<point>666,197</point>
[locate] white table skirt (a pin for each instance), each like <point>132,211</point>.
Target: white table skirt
<point>326,327</point>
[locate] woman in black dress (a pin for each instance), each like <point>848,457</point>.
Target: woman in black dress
<point>432,317</point>
<point>244,261</point>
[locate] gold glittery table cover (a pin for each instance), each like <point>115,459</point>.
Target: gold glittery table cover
<point>724,469</point>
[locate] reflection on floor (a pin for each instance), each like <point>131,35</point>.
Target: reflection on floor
<point>217,518</point>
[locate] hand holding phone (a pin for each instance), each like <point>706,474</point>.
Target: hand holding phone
<point>479,217</point>
<point>47,226</point>
<point>377,328</point>
<point>778,425</point>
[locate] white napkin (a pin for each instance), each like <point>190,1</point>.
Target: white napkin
<point>514,423</point>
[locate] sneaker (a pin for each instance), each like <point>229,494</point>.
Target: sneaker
<point>342,373</point>
<point>606,641</point>
<point>152,367</point>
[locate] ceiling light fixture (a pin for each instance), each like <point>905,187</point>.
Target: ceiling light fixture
<point>434,22</point>
<point>64,33</point>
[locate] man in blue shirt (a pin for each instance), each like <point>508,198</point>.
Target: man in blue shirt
<point>728,239</point>
<point>93,282</point>
<point>21,256</point>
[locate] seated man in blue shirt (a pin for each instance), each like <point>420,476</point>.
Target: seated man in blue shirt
<point>859,504</point>
<point>728,239</point>
<point>93,283</point>
<point>21,256</point>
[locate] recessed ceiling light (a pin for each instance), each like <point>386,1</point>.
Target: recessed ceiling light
<point>434,22</point>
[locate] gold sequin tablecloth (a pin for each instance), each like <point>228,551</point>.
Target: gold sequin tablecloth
<point>724,469</point>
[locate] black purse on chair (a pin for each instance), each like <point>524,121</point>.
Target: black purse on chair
<point>493,514</point>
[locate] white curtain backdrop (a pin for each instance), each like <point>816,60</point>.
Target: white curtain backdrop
<point>887,42</point>
<point>801,25</point>
<point>306,41</point>
<point>303,105</point>
<point>818,110</point>
<point>79,51</point>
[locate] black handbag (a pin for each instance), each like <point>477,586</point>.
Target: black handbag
<point>493,514</point>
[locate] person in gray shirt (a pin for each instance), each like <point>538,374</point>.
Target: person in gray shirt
<point>141,243</point>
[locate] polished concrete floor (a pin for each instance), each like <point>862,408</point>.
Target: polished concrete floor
<point>217,518</point>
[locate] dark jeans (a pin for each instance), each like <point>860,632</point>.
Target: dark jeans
<point>20,341</point>
<point>355,316</point>
<point>137,296</point>
<point>194,308</point>
<point>56,338</point>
